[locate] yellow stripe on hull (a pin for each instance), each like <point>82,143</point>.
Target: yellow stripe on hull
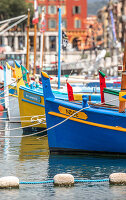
<point>13,95</point>
<point>117,128</point>
<point>30,109</point>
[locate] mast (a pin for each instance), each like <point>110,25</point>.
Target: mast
<point>42,38</point>
<point>28,27</point>
<point>35,22</point>
<point>59,48</point>
<point>123,82</point>
<point>35,36</point>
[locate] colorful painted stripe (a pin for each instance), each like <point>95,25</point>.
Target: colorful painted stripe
<point>33,103</point>
<point>117,128</point>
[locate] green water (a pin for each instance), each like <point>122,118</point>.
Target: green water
<point>29,160</point>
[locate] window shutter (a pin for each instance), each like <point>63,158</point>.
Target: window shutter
<point>74,10</point>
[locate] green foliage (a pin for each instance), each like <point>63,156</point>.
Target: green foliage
<point>13,8</point>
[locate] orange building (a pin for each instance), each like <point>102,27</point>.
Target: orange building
<point>92,35</point>
<point>74,13</point>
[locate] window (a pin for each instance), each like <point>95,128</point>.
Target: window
<point>11,41</point>
<point>76,10</point>
<point>52,43</point>
<point>52,23</point>
<point>63,10</point>
<point>31,43</point>
<point>40,9</point>
<point>1,41</point>
<point>51,9</point>
<point>77,23</point>
<point>64,23</point>
<point>21,42</point>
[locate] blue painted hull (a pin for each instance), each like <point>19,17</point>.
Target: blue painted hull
<point>104,129</point>
<point>2,101</point>
<point>76,136</point>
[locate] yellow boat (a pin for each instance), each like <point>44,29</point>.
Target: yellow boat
<point>31,104</point>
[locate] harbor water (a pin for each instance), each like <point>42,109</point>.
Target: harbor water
<point>28,159</point>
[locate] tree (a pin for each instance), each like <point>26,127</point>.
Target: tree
<point>13,8</point>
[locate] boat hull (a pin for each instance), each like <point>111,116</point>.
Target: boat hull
<point>13,109</point>
<point>31,105</point>
<point>82,128</point>
<point>103,134</point>
<point>2,100</point>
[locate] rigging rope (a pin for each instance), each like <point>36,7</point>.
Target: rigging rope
<point>8,86</point>
<point>75,114</point>
<point>26,116</point>
<point>47,129</point>
<point>9,101</point>
<point>40,121</point>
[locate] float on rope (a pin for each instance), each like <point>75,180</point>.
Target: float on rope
<point>62,180</point>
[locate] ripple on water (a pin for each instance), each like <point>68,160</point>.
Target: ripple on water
<point>28,159</point>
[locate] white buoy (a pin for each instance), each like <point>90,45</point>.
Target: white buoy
<point>9,182</point>
<point>117,178</point>
<point>63,180</point>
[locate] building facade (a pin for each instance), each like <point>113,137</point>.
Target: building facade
<point>113,18</point>
<point>74,13</point>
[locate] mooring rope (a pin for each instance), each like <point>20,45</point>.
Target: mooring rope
<point>9,101</point>
<point>23,136</point>
<point>7,111</point>
<point>5,97</point>
<point>39,122</point>
<point>47,129</point>
<point>25,116</point>
<point>9,85</point>
<point>75,114</point>
<point>75,180</point>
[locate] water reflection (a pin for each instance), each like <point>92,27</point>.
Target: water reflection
<point>32,147</point>
<point>28,158</point>
<point>87,167</point>
<point>6,140</point>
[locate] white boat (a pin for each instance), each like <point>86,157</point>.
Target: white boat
<point>11,98</point>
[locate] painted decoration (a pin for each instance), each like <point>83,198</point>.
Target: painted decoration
<point>32,97</point>
<point>67,111</point>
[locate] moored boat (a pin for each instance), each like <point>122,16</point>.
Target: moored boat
<point>83,128</point>
<point>31,102</point>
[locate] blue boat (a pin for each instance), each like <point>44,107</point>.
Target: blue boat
<point>82,128</point>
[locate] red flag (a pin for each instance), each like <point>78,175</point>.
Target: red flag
<point>1,108</point>
<point>70,92</point>
<point>102,85</point>
<point>35,18</point>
